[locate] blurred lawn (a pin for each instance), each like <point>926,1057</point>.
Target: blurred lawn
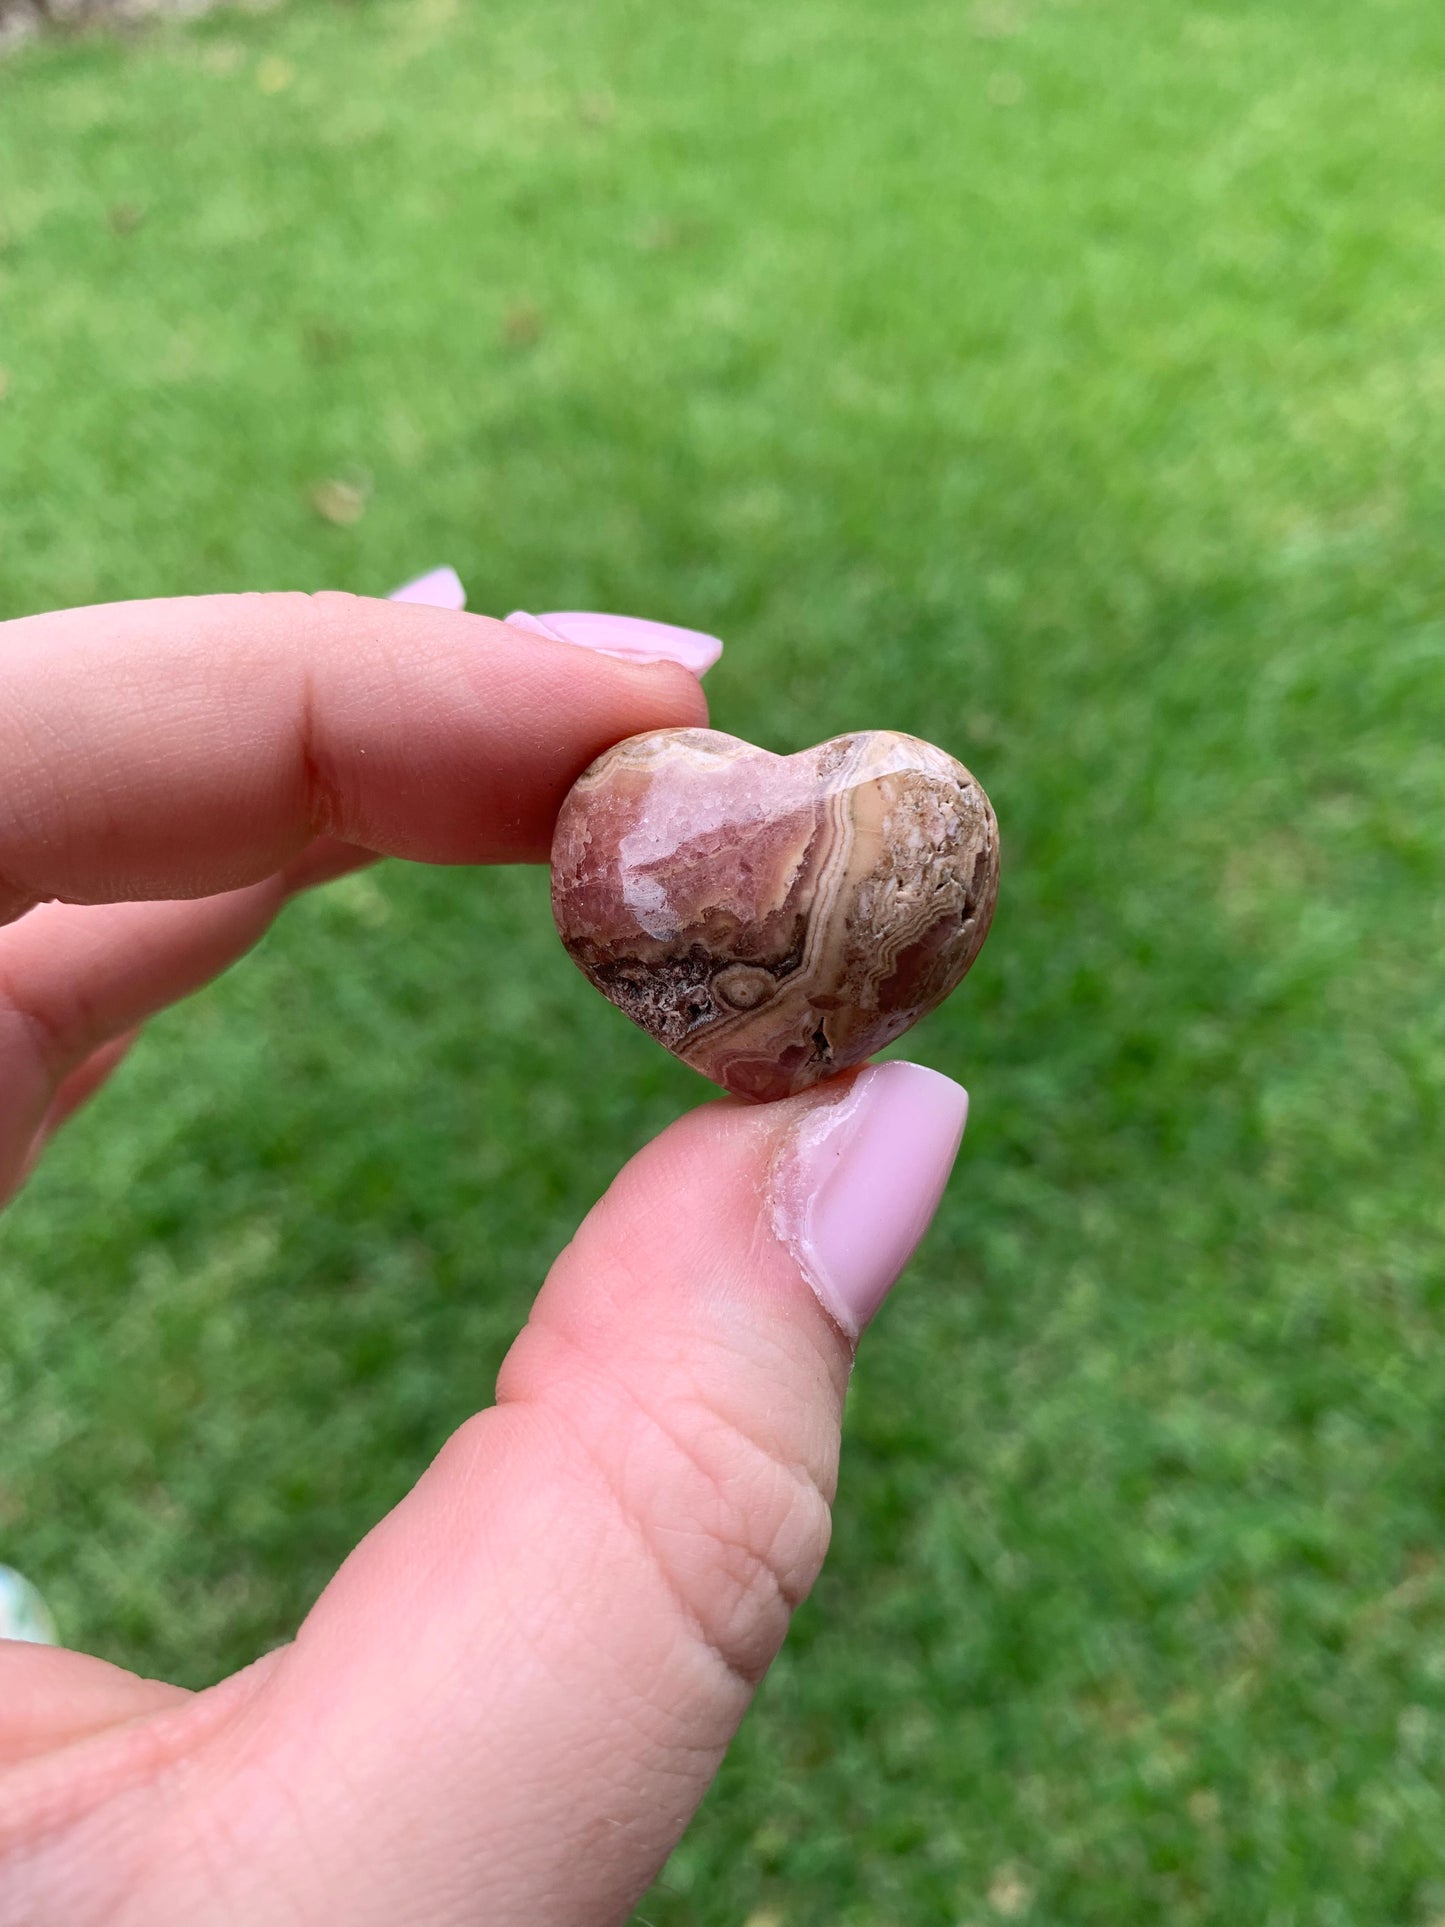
<point>1063,382</point>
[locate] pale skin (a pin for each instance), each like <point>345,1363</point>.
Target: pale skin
<point>508,1701</point>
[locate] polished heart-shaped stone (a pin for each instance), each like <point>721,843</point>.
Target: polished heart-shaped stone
<point>774,919</point>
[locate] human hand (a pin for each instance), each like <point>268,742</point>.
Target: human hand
<point>508,1701</point>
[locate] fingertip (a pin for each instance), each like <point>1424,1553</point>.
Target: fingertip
<point>410,728</point>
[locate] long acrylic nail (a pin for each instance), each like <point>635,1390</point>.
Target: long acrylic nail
<point>857,1181</point>
<point>437,589</point>
<point>628,637</point>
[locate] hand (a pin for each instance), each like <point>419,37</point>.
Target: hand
<point>512,1695</point>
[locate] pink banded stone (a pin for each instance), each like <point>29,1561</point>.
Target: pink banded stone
<point>774,919</point>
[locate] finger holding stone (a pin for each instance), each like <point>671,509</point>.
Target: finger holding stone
<point>213,755</point>
<point>559,1629</point>
<point>183,748</point>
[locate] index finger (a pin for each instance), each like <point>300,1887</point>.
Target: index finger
<point>180,748</point>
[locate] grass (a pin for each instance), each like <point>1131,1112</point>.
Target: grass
<point>1062,382</point>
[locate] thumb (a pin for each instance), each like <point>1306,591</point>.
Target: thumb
<point>507,1704</point>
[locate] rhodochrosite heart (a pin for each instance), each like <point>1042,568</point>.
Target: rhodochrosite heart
<point>774,919</point>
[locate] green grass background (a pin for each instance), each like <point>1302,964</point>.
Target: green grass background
<point>1064,382</point>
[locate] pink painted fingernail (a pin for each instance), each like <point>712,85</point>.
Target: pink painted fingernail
<point>856,1183</point>
<point>437,589</point>
<point>626,636</point>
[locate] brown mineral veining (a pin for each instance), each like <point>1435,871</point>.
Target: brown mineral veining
<point>771,919</point>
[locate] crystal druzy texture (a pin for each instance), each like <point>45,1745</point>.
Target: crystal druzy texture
<point>774,919</point>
